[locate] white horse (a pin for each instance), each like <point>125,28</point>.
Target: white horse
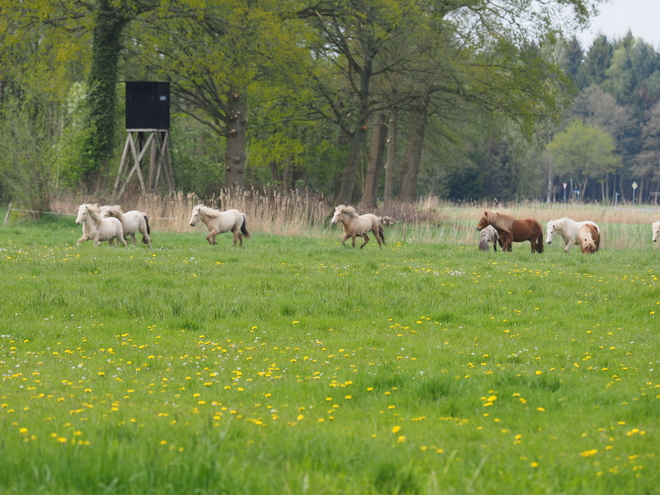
<point>219,222</point>
<point>656,231</point>
<point>131,221</point>
<point>98,228</point>
<point>358,225</point>
<point>568,229</point>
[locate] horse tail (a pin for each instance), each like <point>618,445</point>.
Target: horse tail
<point>244,230</point>
<point>381,232</point>
<point>484,244</point>
<point>146,221</point>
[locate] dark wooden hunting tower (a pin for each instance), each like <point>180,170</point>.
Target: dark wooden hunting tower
<point>147,128</point>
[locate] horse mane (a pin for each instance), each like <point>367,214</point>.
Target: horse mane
<point>349,211</point>
<point>499,220</point>
<point>94,212</point>
<point>208,210</point>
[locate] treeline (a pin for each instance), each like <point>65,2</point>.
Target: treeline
<point>366,102</point>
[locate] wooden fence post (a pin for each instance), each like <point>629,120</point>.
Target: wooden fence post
<point>7,215</point>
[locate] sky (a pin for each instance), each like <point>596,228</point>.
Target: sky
<point>641,17</point>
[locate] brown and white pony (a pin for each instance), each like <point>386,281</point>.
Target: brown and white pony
<point>358,225</point>
<point>512,230</point>
<point>589,238</point>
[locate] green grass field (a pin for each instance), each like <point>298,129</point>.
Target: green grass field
<point>296,365</point>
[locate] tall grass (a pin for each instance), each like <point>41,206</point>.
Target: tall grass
<point>429,220</point>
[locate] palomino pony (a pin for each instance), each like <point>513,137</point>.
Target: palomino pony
<point>219,222</point>
<point>488,235</point>
<point>131,221</point>
<point>358,225</point>
<point>656,231</point>
<point>589,238</point>
<point>98,228</point>
<point>512,230</point>
<point>568,230</point>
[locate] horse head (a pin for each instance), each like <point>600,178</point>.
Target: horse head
<point>339,212</point>
<point>551,232</point>
<point>195,215</point>
<point>656,231</point>
<point>483,223</point>
<point>87,210</point>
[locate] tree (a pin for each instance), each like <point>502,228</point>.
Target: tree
<point>583,152</point>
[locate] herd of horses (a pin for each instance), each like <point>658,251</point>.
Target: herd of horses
<point>111,223</point>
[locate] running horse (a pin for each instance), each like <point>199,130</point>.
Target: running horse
<point>513,230</point>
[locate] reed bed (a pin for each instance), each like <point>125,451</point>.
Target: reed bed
<point>429,220</point>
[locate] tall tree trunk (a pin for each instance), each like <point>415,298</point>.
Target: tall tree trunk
<point>391,158</point>
<point>102,96</point>
<point>287,178</point>
<point>236,135</point>
<point>345,194</point>
<point>413,156</point>
<point>370,194</point>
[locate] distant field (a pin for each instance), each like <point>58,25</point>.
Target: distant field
<point>296,365</point>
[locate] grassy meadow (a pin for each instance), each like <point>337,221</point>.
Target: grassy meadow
<point>296,365</point>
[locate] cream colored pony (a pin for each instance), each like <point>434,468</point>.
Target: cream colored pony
<point>131,221</point>
<point>358,225</point>
<point>656,231</point>
<point>568,229</point>
<point>219,222</point>
<point>97,228</point>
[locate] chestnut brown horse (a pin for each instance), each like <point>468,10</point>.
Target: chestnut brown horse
<point>512,230</point>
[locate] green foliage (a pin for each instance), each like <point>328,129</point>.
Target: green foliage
<point>583,152</point>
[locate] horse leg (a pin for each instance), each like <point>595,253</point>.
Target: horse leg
<point>343,241</point>
<point>83,239</point>
<point>353,239</point>
<point>569,245</point>
<point>211,237</point>
<point>134,241</point>
<point>240,239</point>
<point>366,239</point>
<point>145,238</point>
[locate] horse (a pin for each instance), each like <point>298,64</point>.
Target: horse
<point>358,225</point>
<point>568,229</point>
<point>98,228</point>
<point>589,238</point>
<point>488,235</point>
<point>219,222</point>
<point>656,231</point>
<point>513,230</point>
<point>131,222</point>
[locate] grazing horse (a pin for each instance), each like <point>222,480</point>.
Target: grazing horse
<point>512,230</point>
<point>131,222</point>
<point>98,228</point>
<point>219,222</point>
<point>589,238</point>
<point>568,230</point>
<point>656,231</point>
<point>488,235</point>
<point>358,225</point>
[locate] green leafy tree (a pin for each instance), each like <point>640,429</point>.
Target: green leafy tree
<point>583,152</point>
